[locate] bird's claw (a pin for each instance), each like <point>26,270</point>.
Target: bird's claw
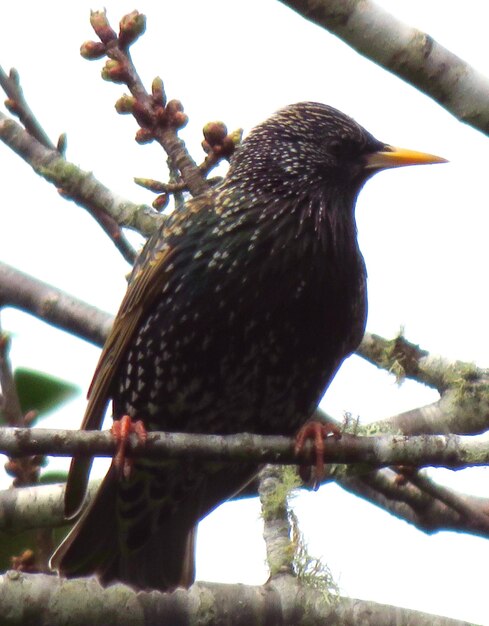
<point>317,431</point>
<point>121,430</point>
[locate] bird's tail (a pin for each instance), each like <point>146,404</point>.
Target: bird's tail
<point>145,555</point>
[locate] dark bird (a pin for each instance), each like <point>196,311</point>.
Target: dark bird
<point>239,312</point>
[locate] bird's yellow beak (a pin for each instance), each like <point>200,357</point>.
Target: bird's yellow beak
<point>398,157</point>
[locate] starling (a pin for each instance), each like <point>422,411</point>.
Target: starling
<point>239,311</point>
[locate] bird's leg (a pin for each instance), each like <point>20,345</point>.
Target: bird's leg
<point>317,431</point>
<point>121,430</point>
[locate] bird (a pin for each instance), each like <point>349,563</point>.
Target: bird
<point>239,311</point>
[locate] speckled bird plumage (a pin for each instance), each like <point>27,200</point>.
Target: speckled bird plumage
<point>239,311</point>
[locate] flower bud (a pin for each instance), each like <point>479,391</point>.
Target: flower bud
<point>215,132</point>
<point>100,24</point>
<point>92,50</point>
<point>131,27</point>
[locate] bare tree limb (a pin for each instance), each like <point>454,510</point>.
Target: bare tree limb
<point>276,526</point>
<point>17,105</point>
<point>43,505</point>
<point>80,186</point>
<point>452,451</point>
<point>457,411</point>
<point>415,506</point>
<point>464,506</point>
<point>408,53</point>
<point>159,120</point>
<point>40,506</point>
<point>10,410</point>
<point>39,599</point>
<point>52,305</point>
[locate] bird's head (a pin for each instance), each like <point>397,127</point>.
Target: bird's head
<point>309,145</point>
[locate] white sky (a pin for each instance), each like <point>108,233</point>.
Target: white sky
<point>423,233</point>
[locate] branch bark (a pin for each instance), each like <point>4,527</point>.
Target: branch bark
<point>41,506</point>
<point>52,305</point>
<point>38,599</point>
<point>407,52</point>
<point>452,451</point>
<point>423,510</point>
<point>80,186</point>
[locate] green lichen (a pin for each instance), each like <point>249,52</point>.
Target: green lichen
<point>463,378</point>
<point>278,500</point>
<point>311,571</point>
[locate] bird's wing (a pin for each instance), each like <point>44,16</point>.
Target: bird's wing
<point>150,274</point>
<point>145,285</point>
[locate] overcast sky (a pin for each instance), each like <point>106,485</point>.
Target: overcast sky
<point>423,232</point>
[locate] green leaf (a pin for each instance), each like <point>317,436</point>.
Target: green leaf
<point>41,392</point>
<point>51,477</point>
<point>14,543</point>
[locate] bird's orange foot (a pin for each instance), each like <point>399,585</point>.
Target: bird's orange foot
<point>317,431</point>
<point>121,430</point>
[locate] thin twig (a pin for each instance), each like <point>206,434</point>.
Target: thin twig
<point>413,505</point>
<point>159,119</point>
<point>10,409</point>
<point>18,106</point>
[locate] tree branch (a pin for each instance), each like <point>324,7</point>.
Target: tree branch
<point>451,451</point>
<point>41,506</point>
<point>408,53</point>
<point>52,305</point>
<point>39,599</point>
<point>412,504</point>
<point>159,120</point>
<point>273,495</point>
<point>17,105</point>
<point>80,186</point>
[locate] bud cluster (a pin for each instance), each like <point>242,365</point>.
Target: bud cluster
<point>218,142</point>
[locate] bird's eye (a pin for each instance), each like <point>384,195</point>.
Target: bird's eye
<point>344,148</point>
<point>336,148</point>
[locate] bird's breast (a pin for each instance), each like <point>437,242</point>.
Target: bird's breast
<point>245,337</point>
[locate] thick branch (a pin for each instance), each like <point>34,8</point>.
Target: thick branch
<point>409,53</point>
<point>41,506</point>
<point>52,305</point>
<point>276,526</point>
<point>452,451</point>
<point>39,599</point>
